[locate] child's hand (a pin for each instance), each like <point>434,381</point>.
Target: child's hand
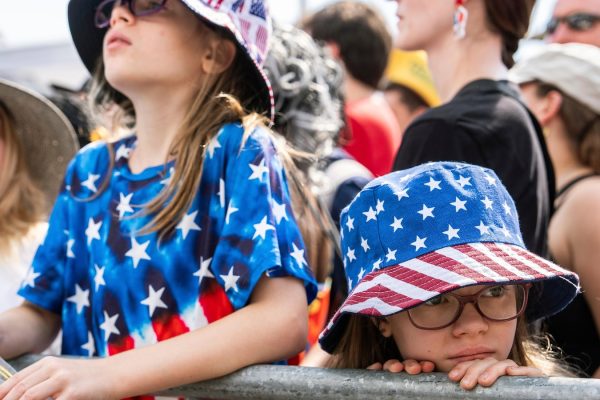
<point>411,367</point>
<point>59,378</point>
<point>486,371</point>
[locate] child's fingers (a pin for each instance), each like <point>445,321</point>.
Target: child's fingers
<point>468,372</point>
<point>412,367</point>
<point>393,366</point>
<point>488,376</point>
<point>427,366</point>
<point>523,371</point>
<point>375,367</point>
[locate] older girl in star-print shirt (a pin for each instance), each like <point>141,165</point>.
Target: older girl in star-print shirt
<point>183,231</point>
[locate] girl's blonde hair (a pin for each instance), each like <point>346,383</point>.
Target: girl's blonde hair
<point>362,345</point>
<point>22,203</point>
<point>220,99</point>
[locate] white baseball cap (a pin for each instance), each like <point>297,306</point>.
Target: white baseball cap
<point>573,68</point>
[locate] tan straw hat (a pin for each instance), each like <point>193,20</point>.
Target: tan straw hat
<point>47,137</point>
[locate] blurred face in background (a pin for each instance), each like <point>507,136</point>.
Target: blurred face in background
<point>575,21</point>
<point>420,22</point>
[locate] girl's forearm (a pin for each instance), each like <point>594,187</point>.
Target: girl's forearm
<point>273,327</point>
<point>26,329</point>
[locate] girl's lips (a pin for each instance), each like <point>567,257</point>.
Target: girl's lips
<point>470,357</point>
<point>115,39</point>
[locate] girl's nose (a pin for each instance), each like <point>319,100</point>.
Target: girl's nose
<point>470,322</point>
<point>120,12</point>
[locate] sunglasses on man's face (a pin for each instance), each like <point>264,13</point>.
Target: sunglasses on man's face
<point>577,22</point>
<point>139,8</point>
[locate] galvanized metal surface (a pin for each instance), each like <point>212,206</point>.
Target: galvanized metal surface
<point>296,383</point>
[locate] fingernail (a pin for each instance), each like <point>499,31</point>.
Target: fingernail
<point>453,374</point>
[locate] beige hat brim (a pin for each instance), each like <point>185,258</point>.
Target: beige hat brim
<point>48,139</point>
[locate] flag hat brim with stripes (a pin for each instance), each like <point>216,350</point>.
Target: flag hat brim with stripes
<point>399,256</point>
<point>247,21</point>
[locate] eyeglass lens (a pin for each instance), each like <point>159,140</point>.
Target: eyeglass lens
<point>496,303</point>
<point>136,7</point>
<point>576,22</point>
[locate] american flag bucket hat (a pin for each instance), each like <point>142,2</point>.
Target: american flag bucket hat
<point>411,235</point>
<point>248,22</point>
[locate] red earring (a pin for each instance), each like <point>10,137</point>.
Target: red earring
<point>460,19</point>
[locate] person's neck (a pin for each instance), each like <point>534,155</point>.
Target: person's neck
<point>355,90</point>
<point>456,62</point>
<point>158,120</point>
<point>563,154</point>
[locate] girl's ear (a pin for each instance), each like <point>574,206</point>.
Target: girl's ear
<point>549,107</point>
<point>219,55</point>
<point>383,325</point>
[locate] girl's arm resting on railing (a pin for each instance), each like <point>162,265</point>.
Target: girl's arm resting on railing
<point>272,327</point>
<point>26,329</point>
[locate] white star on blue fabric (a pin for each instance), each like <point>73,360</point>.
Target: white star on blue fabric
<point>459,204</point>
<point>81,298</point>
<point>90,347</point>
<point>154,301</point>
<point>258,171</point>
<point>204,271</point>
<point>350,255</point>
<point>507,209</point>
<point>451,233</point>
<point>433,184</point>
<point>93,230</point>
<point>99,277</point>
<point>109,325</point>
<point>124,204</point>
<point>70,244</point>
<point>379,208</point>
<point>261,228</point>
<point>230,211</point>
<point>221,193</point>
<point>230,280</point>
<point>212,146</point>
<point>397,224</point>
<point>483,229</point>
<point>30,278</point>
<point>463,181</point>
<point>168,178</point>
<point>298,255</point>
<point>279,211</point>
<point>505,231</point>
<point>426,212</point>
<point>364,244</point>
<point>371,215</point>
<point>188,224</point>
<point>350,223</point>
<point>489,179</point>
<point>401,194</point>
<point>391,255</point>
<point>138,252</point>
<point>90,182</point>
<point>487,203</point>
<point>419,243</point>
<point>361,273</point>
<point>122,152</point>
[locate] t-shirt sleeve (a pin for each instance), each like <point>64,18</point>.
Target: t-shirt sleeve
<point>260,234</point>
<point>437,140</point>
<point>44,282</point>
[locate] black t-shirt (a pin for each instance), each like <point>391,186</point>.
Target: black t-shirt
<point>487,124</point>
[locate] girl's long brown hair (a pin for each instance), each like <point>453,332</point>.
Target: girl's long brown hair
<point>22,203</point>
<point>220,99</point>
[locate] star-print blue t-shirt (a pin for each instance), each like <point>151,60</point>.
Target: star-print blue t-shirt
<point>117,289</point>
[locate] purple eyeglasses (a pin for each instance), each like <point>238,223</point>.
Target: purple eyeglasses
<point>139,8</point>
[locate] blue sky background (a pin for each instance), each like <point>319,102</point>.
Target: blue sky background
<point>38,22</point>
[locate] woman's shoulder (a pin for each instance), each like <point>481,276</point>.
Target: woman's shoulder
<point>236,135</point>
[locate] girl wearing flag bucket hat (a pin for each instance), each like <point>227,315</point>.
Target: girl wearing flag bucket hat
<point>187,222</point>
<point>441,280</point>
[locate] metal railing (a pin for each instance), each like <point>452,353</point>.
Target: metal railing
<point>296,383</point>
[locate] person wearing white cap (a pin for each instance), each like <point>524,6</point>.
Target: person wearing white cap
<point>173,254</point>
<point>561,85</point>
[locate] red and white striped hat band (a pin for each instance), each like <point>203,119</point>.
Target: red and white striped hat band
<point>433,229</point>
